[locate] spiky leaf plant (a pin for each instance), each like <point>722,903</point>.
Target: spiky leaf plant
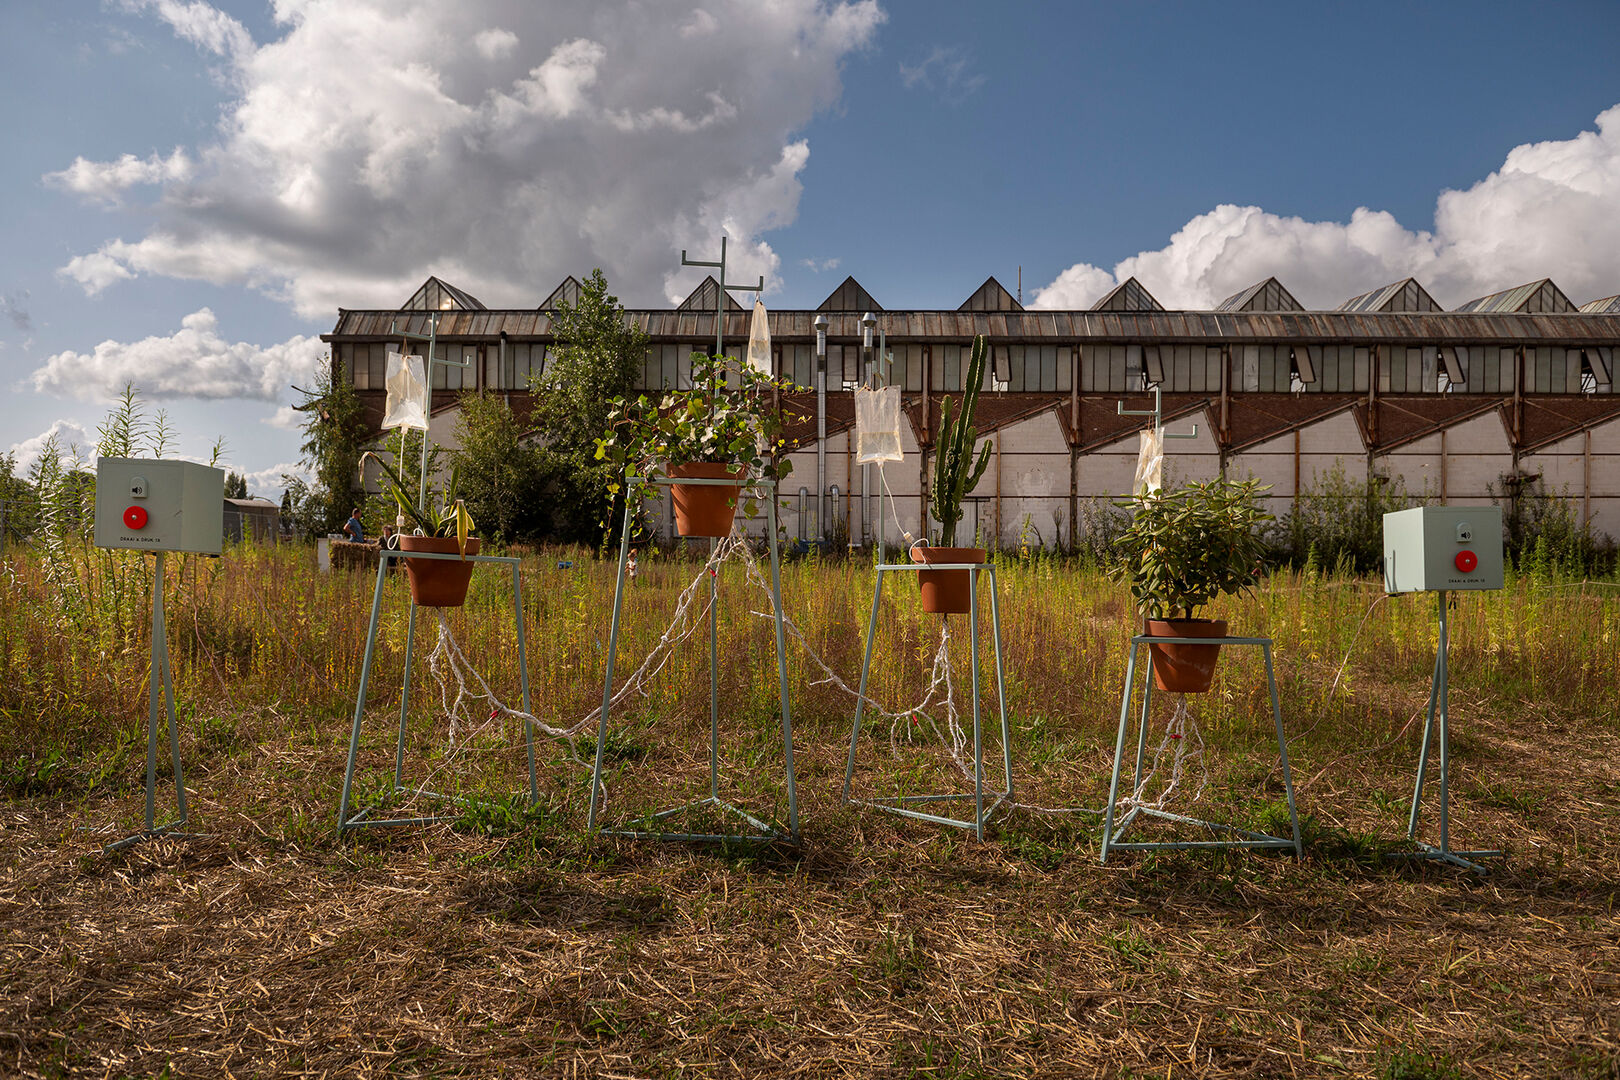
<point>444,516</point>
<point>956,473</point>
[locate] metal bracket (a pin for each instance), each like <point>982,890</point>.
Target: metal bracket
<point>1439,705</point>
<point>763,832</point>
<point>159,684</point>
<point>1157,412</point>
<point>1111,836</point>
<point>360,818</point>
<point>720,298</point>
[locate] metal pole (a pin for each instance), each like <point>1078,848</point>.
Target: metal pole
<point>866,667</point>
<point>153,691</point>
<point>1445,741</point>
<point>1001,681</point>
<point>978,738</point>
<point>1119,752</point>
<point>360,694</point>
<point>781,669</point>
<point>427,372</point>
<point>868,321</point>
<point>613,650</point>
<point>404,693</point>
<point>720,298</point>
<point>169,703</point>
<point>714,676</point>
<point>821,427</point>
<point>1282,749</point>
<point>1428,728</point>
<point>523,681</point>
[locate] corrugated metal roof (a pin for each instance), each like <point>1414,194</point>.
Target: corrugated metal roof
<point>1538,297</point>
<point>703,297</point>
<point>1609,304</point>
<point>1128,295</point>
<point>1407,294</point>
<point>991,296</point>
<point>1185,327</point>
<point>1267,295</point>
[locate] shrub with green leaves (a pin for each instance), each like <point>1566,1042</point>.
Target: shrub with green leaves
<point>1187,546</point>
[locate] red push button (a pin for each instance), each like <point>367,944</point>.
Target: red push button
<point>135,517</point>
<point>1466,561</point>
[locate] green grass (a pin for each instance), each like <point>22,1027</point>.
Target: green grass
<point>874,947</point>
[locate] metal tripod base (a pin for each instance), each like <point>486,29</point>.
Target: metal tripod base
<point>901,805</point>
<point>160,706</point>
<point>1439,706</point>
<point>362,818</point>
<point>763,833</point>
<point>1111,840</point>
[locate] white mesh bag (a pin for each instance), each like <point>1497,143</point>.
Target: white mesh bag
<point>1149,464</point>
<point>759,340</point>
<point>407,393</point>
<point>877,425</point>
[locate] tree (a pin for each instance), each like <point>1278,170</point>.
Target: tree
<point>334,434</point>
<point>498,473</point>
<point>18,505</point>
<point>235,486</point>
<point>597,358</point>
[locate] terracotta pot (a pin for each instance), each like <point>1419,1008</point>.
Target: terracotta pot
<point>705,509</point>
<point>1185,669</point>
<point>946,592</point>
<point>438,582</point>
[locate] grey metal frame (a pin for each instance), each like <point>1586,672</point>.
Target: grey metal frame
<point>161,682</point>
<point>1111,836</point>
<point>360,819</point>
<point>763,832</point>
<point>1439,704</point>
<point>901,804</point>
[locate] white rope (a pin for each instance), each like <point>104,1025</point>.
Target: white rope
<point>937,711</point>
<point>450,668</point>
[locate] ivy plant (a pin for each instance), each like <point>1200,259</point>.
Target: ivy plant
<point>728,415</point>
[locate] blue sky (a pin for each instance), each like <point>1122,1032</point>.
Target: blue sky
<point>192,189</point>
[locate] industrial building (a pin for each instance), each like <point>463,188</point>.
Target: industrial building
<point>1507,393</point>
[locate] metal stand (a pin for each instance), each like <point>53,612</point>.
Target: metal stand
<point>1439,699</point>
<point>762,831</point>
<point>1111,836</point>
<point>901,804</point>
<point>360,819</point>
<point>160,682</point>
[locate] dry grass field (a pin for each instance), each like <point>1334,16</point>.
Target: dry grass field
<point>510,942</point>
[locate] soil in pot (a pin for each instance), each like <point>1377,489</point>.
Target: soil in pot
<point>705,509</point>
<point>1185,669</point>
<point>946,592</point>
<point>438,582</point>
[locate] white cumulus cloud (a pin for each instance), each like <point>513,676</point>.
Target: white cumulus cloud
<point>1551,210</point>
<point>270,483</point>
<point>68,433</point>
<point>106,181</point>
<point>193,362</point>
<point>286,418</point>
<point>494,43</point>
<point>616,134</point>
<point>200,23</point>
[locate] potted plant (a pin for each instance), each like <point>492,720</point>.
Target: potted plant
<point>724,426</point>
<point>440,525</point>
<point>1182,549</point>
<point>956,473</point>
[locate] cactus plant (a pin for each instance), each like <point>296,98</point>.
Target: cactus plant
<point>955,471</point>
